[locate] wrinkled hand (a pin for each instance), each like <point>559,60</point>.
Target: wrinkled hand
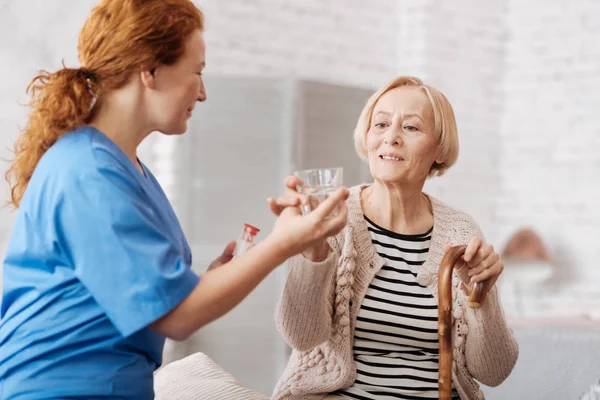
<point>225,257</point>
<point>479,263</point>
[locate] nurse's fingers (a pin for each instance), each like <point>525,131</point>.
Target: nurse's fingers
<point>325,208</point>
<point>225,257</point>
<point>334,224</point>
<point>228,250</point>
<point>290,199</point>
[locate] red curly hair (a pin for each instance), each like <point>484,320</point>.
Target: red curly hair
<point>119,38</point>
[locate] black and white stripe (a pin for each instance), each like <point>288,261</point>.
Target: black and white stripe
<point>395,341</point>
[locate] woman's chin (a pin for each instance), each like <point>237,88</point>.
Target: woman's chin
<point>390,178</point>
<point>174,130</point>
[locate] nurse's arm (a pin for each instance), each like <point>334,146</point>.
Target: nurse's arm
<point>220,290</point>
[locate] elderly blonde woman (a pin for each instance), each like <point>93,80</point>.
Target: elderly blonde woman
<point>360,309</point>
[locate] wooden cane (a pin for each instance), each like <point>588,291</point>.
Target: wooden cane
<point>476,300</point>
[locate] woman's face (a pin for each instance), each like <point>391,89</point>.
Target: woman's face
<point>401,142</point>
<point>178,87</point>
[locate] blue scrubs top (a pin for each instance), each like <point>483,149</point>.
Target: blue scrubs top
<point>95,256</point>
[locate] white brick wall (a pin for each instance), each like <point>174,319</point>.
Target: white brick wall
<point>340,41</point>
<point>550,138</point>
<point>461,52</point>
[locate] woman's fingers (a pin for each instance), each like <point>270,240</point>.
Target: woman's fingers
<point>275,208</point>
<point>489,274</point>
<point>292,182</point>
<point>472,249</point>
<point>484,264</point>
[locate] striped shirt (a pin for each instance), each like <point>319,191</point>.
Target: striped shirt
<point>396,346</point>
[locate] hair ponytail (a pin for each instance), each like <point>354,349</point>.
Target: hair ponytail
<point>60,102</point>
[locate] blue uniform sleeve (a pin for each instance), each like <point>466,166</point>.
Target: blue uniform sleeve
<point>121,250</point>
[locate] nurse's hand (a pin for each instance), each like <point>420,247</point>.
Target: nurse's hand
<point>291,197</point>
<point>225,257</point>
<point>308,234</point>
<point>319,250</point>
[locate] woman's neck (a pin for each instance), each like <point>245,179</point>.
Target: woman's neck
<point>123,125</point>
<point>396,208</point>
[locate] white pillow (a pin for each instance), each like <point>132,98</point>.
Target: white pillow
<point>198,377</point>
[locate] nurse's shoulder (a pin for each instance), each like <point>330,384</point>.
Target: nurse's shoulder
<point>82,159</point>
<point>79,154</point>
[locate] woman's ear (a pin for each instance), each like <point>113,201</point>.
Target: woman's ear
<point>148,78</point>
<point>440,158</point>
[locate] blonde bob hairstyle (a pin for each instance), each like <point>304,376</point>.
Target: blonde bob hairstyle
<point>444,123</point>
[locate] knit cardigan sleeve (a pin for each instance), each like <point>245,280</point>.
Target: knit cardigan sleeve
<point>305,311</point>
<point>491,349</point>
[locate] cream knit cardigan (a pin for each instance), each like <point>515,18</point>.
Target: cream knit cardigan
<point>317,312</point>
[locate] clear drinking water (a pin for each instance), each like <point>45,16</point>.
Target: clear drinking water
<point>318,184</point>
<point>316,194</point>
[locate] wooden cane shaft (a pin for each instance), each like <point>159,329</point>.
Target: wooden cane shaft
<point>476,300</point>
<point>445,320</point>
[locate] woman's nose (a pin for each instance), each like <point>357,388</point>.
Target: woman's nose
<point>201,93</point>
<point>393,136</point>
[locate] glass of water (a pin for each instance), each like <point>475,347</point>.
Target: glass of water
<point>318,185</point>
